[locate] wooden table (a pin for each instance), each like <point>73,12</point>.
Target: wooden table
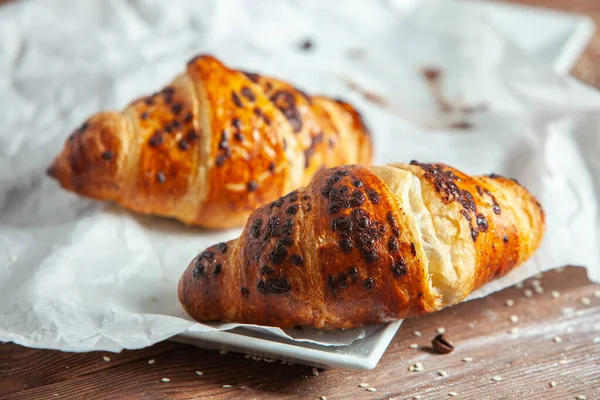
<point>555,340</point>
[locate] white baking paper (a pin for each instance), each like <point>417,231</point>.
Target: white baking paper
<point>78,275</point>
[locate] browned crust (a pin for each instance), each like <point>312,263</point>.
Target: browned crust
<point>211,146</point>
<point>341,253</point>
<point>97,157</point>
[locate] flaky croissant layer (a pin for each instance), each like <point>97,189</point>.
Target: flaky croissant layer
<point>364,245</point>
<point>211,146</point>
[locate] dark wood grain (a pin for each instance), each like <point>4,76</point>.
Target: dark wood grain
<point>527,361</point>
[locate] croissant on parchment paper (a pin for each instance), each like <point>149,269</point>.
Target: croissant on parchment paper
<point>362,245</point>
<point>211,146</point>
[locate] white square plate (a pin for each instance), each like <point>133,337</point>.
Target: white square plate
<point>363,354</point>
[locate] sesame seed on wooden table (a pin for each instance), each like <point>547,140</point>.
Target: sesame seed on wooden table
<point>539,290</point>
<point>585,301</point>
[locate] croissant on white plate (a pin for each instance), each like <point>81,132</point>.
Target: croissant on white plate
<point>211,146</point>
<point>362,245</point>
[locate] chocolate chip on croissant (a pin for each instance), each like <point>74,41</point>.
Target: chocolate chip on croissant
<point>364,245</point>
<point>211,146</point>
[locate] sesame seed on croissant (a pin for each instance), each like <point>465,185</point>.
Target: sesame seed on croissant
<point>211,146</point>
<point>362,245</point>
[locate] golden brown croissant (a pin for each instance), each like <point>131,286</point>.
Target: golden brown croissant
<point>211,147</point>
<point>364,245</point>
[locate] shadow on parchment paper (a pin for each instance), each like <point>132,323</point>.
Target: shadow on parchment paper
<point>160,224</point>
<point>40,202</point>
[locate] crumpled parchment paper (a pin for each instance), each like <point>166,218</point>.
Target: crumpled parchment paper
<point>78,275</point>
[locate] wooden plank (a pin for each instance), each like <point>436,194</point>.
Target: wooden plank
<point>527,361</point>
<point>20,366</point>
